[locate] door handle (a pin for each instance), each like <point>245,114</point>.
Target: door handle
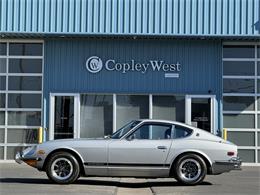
<point>161,147</point>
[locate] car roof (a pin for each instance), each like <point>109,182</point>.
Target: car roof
<point>164,121</point>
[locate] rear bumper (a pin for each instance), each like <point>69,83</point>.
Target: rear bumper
<point>225,166</point>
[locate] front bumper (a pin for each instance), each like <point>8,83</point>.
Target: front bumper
<point>30,160</point>
<point>225,166</point>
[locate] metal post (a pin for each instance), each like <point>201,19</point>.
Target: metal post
<point>40,135</point>
<point>224,134</point>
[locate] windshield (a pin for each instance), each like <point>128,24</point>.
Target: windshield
<point>122,131</point>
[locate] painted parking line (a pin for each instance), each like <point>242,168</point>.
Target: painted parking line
<point>133,190</point>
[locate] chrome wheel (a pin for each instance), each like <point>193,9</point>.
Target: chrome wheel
<point>61,168</point>
<point>189,169</point>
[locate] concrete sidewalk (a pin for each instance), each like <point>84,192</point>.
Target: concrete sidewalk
<point>23,180</point>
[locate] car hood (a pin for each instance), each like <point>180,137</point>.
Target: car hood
<point>65,143</point>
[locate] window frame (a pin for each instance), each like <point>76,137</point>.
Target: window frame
<point>256,94</point>
<point>5,144</point>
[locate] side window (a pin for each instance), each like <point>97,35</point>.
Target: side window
<point>181,132</point>
<point>153,132</point>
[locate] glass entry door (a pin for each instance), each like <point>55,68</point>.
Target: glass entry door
<point>200,112</point>
<point>64,116</point>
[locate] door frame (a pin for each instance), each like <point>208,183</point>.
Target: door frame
<point>76,125</point>
<point>212,109</point>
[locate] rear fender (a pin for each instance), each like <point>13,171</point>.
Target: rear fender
<point>200,153</point>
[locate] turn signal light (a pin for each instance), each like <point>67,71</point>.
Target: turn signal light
<point>231,153</point>
<point>41,152</point>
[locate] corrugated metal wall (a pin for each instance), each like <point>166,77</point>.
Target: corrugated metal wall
<point>65,67</point>
<point>124,17</point>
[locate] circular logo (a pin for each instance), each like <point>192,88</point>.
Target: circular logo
<point>94,64</point>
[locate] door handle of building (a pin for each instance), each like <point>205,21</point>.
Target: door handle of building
<point>161,147</point>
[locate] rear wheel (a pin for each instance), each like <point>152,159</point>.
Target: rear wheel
<point>190,169</point>
<point>63,168</point>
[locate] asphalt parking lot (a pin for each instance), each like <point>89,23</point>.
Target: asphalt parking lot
<point>23,180</point>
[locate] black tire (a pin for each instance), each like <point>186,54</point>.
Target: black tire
<point>190,169</point>
<point>62,168</point>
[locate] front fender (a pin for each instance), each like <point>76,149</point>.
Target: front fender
<point>71,150</point>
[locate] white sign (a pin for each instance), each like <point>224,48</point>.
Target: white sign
<point>94,64</point>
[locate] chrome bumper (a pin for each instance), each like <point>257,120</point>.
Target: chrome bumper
<point>30,160</point>
<point>225,166</point>
<point>18,158</point>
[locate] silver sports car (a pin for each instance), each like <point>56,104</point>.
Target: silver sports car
<point>142,148</point>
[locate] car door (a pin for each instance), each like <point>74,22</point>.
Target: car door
<point>95,154</point>
<point>142,153</point>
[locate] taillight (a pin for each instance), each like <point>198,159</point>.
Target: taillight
<point>230,153</point>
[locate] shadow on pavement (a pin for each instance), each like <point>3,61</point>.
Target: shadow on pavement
<point>99,182</point>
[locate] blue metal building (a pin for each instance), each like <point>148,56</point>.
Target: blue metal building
<point>82,68</point>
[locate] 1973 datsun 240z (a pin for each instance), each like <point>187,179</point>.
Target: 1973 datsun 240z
<point>142,148</point>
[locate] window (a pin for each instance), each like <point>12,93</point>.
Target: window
<point>258,138</point>
<point>22,136</point>
<point>181,132</point>
<point>2,118</point>
<point>2,65</point>
<point>2,82</point>
<point>12,150</point>
<point>239,68</point>
<point>2,49</point>
<point>169,108</point>
<point>247,155</point>
<point>124,130</point>
<point>238,51</point>
<point>25,66</point>
<point>258,69</point>
<point>24,100</point>
<point>28,83</point>
<point>238,86</point>
<point>238,103</point>
<point>96,113</point>
<point>21,74</point>
<point>131,107</point>
<point>24,118</point>
<point>2,100</point>
<point>1,153</point>
<point>239,121</point>
<point>258,86</point>
<point>2,135</point>
<point>242,138</point>
<point>25,49</point>
<point>241,104</point>
<point>152,132</point>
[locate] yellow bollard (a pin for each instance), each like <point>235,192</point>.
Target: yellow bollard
<point>224,134</point>
<point>40,135</point>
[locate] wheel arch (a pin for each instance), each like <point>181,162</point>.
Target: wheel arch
<point>199,153</point>
<point>69,150</point>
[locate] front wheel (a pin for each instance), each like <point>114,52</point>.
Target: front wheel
<point>63,168</point>
<point>190,169</point>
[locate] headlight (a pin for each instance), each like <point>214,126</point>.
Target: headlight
<point>30,150</point>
